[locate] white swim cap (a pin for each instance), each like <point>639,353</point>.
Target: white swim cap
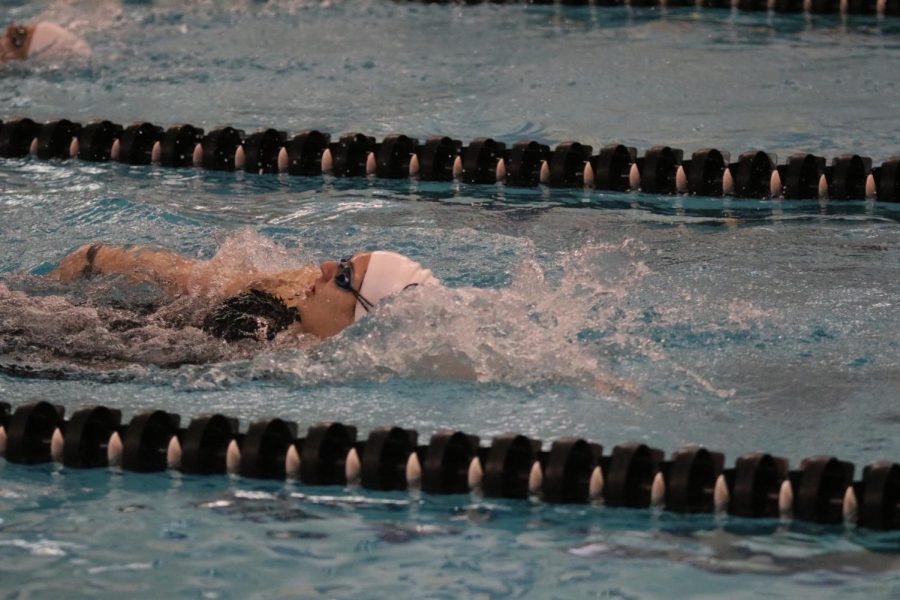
<point>53,41</point>
<point>389,273</point>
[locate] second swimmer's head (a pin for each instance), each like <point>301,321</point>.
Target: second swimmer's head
<point>41,40</point>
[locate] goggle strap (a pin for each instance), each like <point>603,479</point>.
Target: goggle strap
<point>362,300</point>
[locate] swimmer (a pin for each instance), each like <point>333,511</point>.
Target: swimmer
<point>40,40</point>
<point>320,302</point>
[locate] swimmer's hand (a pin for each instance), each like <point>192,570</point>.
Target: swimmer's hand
<point>254,314</point>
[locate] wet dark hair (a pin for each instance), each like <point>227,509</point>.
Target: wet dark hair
<point>253,314</point>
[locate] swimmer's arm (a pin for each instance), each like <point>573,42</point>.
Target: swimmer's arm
<point>180,274</point>
<point>169,269</point>
<point>289,285</point>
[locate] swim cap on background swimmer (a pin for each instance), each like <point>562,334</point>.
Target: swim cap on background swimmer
<point>389,273</point>
<point>49,40</point>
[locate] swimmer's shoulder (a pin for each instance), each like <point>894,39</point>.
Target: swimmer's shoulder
<point>290,285</point>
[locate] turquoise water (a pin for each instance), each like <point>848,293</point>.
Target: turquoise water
<point>741,325</point>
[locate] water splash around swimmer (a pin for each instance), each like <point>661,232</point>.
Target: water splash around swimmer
<point>569,321</point>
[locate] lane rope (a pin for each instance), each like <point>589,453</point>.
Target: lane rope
<point>661,170</point>
<point>887,8</point>
<point>572,471</point>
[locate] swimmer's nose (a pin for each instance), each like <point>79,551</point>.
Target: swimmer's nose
<point>329,269</point>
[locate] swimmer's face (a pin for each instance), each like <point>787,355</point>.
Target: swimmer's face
<point>329,308</point>
<point>15,42</point>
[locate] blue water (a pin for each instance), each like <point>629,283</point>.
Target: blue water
<point>741,325</point>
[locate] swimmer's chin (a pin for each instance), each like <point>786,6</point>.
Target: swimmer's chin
<point>295,337</point>
<point>610,385</point>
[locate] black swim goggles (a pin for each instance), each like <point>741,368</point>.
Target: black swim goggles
<point>344,280</point>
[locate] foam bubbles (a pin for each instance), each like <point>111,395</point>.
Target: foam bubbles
<point>526,334</point>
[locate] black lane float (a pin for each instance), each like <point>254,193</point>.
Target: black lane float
<point>890,8</point>
<point>572,471</point>
<point>662,170</point>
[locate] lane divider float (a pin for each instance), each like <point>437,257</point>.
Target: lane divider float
<point>572,471</point>
<point>889,8</point>
<point>662,170</point>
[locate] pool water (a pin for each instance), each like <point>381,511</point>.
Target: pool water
<point>740,325</point>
